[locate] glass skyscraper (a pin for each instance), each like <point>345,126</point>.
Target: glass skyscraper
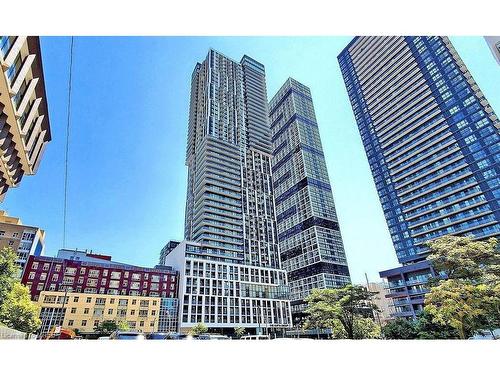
<point>230,273</point>
<point>432,143</point>
<point>311,247</point>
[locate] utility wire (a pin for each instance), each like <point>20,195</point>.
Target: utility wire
<point>67,143</point>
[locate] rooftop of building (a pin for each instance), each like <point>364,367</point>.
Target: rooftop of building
<point>6,219</point>
<point>88,257</point>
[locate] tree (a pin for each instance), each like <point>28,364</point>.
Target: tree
<point>365,328</point>
<point>468,299</point>
<point>18,311</point>
<point>464,258</point>
<point>106,327</point>
<point>239,331</point>
<point>8,271</point>
<point>456,303</point>
<point>400,329</point>
<point>122,325</point>
<point>348,305</point>
<point>427,329</point>
<point>198,329</point>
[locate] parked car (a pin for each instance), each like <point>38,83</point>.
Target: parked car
<point>127,335</point>
<point>175,336</point>
<point>207,336</point>
<point>256,337</point>
<point>486,335</point>
<point>157,336</point>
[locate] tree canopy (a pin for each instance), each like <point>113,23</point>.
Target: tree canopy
<point>468,298</point>
<point>8,271</point>
<point>18,312</point>
<point>198,329</point>
<point>344,310</point>
<point>400,329</point>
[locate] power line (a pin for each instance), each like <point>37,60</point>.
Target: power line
<point>67,143</point>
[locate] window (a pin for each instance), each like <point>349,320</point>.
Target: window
<point>75,299</point>
<point>84,323</point>
<point>89,299</point>
<point>73,310</point>
<point>46,266</point>
<point>86,310</point>
<point>34,266</point>
<point>31,275</point>
<point>110,311</point>
<point>70,322</point>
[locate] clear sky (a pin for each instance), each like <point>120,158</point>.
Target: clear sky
<point>127,178</point>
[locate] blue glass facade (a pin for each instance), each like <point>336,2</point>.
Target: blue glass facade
<point>310,243</point>
<point>430,136</point>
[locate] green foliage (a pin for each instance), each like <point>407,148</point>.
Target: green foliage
<point>366,328</point>
<point>469,299</point>
<point>8,271</point>
<point>400,329</point>
<point>464,258</point>
<point>456,303</point>
<point>239,331</point>
<point>427,329</point>
<point>198,329</point>
<point>106,327</point>
<point>17,310</point>
<point>122,325</point>
<point>344,310</point>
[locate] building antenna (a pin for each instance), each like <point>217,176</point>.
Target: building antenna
<point>68,122</point>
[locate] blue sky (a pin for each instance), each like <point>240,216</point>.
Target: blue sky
<point>127,178</point>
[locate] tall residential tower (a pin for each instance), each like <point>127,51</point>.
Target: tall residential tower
<point>311,247</point>
<point>432,143</point>
<point>229,263</point>
<point>24,116</point>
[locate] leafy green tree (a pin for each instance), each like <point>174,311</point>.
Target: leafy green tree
<point>366,328</point>
<point>464,258</point>
<point>239,331</point>
<point>400,329</point>
<point>18,311</point>
<point>347,305</point>
<point>122,325</point>
<point>468,299</point>
<point>8,271</point>
<point>198,329</point>
<point>456,303</point>
<point>427,329</point>
<point>106,327</point>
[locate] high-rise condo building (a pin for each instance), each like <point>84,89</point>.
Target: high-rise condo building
<point>310,243</point>
<point>24,117</point>
<point>432,143</point>
<point>26,240</point>
<point>229,264</point>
